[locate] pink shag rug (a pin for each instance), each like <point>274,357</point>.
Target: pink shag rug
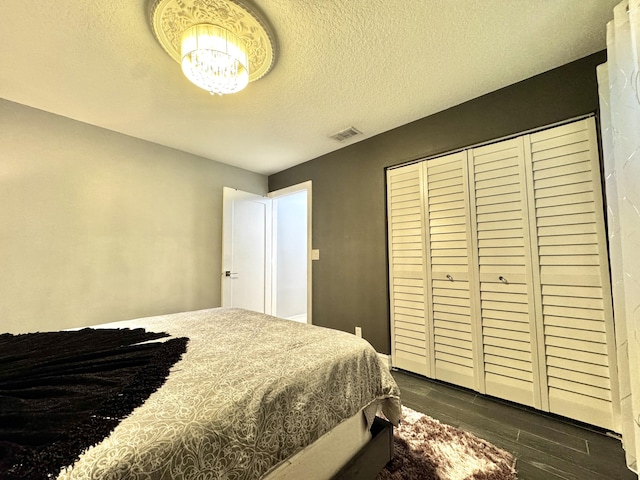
<point>425,449</point>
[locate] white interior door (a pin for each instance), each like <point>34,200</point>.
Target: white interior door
<point>411,342</point>
<point>451,306</point>
<point>575,317</point>
<point>266,249</point>
<point>500,229</point>
<point>246,251</point>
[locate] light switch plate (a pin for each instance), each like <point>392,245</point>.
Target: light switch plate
<point>315,254</point>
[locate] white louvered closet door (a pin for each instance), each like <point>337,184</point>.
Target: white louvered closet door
<point>499,276</point>
<point>501,234</point>
<point>449,275</point>
<point>576,320</point>
<point>405,207</point>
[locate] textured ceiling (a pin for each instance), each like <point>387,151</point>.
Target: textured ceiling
<point>372,64</point>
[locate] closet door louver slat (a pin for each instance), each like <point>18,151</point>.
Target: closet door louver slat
<point>574,294</point>
<point>501,235</point>
<point>448,271</point>
<point>407,269</point>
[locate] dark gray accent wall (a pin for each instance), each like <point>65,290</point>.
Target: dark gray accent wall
<point>349,211</point>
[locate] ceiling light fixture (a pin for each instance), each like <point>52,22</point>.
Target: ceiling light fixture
<point>222,45</point>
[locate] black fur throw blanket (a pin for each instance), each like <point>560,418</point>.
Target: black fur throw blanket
<point>62,392</point>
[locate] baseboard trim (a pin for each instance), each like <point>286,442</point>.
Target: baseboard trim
<point>302,318</point>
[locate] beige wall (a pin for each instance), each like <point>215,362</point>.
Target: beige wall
<point>96,226</point>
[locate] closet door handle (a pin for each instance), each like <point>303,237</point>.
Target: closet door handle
<point>502,279</point>
<point>450,278</point>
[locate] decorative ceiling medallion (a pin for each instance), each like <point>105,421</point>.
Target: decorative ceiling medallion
<point>170,18</point>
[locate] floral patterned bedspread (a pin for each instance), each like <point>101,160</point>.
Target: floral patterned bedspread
<point>250,391</point>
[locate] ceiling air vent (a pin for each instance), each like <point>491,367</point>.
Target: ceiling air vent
<point>342,135</point>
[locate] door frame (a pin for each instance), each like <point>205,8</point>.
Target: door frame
<point>304,186</point>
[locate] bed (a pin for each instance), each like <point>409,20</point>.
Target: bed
<point>252,397</point>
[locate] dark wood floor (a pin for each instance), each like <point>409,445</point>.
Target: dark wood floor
<point>546,447</point>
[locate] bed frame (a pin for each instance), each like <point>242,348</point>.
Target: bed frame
<point>372,458</point>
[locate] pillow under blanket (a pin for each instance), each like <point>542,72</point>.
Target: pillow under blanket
<point>62,392</point>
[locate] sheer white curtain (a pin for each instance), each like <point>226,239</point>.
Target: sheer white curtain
<point>619,87</point>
